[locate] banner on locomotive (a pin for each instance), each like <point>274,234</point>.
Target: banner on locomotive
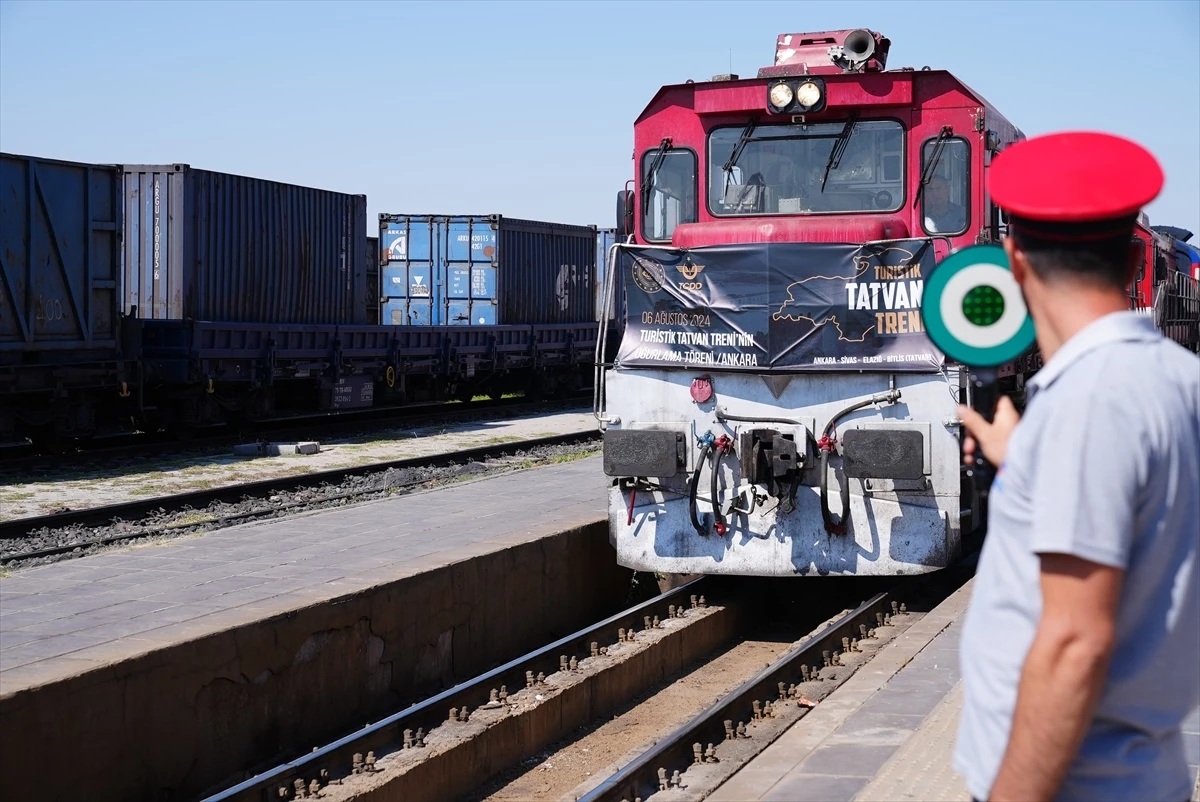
<point>778,306</point>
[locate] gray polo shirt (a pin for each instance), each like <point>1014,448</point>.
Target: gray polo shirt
<point>1104,465</point>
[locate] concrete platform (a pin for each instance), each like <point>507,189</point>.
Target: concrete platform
<point>156,669</point>
<point>888,733</point>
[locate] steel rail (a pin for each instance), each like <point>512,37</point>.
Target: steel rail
<point>474,692</point>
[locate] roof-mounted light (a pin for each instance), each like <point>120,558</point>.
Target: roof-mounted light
<point>808,95</point>
<point>781,96</point>
<point>796,95</point>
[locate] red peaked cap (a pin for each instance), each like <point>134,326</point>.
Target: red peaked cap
<point>1075,185</point>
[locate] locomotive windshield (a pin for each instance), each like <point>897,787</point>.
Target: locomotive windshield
<point>848,166</point>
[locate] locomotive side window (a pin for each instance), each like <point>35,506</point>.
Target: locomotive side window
<point>668,192</point>
<point>840,167</point>
<point>1183,261</point>
<point>946,198</point>
<point>1161,265</point>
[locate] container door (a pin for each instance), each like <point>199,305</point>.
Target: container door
<point>470,248</point>
<point>156,279</point>
<point>410,245</point>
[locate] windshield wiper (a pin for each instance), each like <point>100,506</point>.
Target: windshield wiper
<point>839,148</point>
<point>935,158</point>
<point>736,153</point>
<point>648,183</point>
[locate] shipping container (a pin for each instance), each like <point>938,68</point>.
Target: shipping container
<point>485,270</point>
<point>204,245</point>
<point>60,225</point>
<point>373,281</point>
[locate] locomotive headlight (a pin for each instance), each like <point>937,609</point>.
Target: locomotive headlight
<point>781,95</point>
<point>808,94</point>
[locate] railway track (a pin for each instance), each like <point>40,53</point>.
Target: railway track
<point>410,728</point>
<point>460,743</point>
<point>36,538</point>
<point>17,457</point>
<point>771,701</point>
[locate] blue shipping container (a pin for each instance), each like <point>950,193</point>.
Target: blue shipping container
<point>60,251</point>
<point>204,245</point>
<point>485,270</point>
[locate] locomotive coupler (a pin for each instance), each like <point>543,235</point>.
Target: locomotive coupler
<point>772,460</point>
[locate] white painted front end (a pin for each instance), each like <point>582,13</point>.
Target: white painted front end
<point>895,527</point>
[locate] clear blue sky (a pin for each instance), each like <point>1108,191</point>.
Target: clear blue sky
<point>526,109</point>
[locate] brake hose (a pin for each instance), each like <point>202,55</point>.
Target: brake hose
<point>837,526</point>
<point>718,521</point>
<point>694,485</point>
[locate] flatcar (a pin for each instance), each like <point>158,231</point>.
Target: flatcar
<point>775,406</point>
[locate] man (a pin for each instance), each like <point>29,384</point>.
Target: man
<point>941,217</point>
<point>1081,648</point>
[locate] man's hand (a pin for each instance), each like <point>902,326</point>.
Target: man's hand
<point>991,437</point>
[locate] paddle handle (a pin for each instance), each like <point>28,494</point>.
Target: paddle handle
<point>984,395</point>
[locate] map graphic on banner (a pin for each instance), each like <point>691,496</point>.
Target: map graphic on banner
<point>764,306</point>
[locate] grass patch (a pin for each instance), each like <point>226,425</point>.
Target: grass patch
<point>201,484</point>
<point>18,496</point>
<point>193,518</point>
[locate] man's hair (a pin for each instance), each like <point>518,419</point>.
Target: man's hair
<point>1092,253</point>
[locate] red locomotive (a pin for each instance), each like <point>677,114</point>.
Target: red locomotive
<point>773,367</point>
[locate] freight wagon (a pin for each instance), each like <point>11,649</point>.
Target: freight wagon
<point>171,297</point>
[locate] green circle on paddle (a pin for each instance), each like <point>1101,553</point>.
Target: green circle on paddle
<point>983,305</point>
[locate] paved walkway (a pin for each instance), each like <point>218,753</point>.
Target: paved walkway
<point>61,619</point>
<point>888,733</point>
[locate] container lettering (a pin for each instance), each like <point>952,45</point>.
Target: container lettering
<point>48,310</point>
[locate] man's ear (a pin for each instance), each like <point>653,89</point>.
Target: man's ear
<point>1016,261</point>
